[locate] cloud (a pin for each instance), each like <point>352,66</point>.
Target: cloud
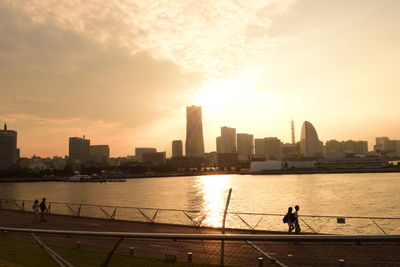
<point>214,37</point>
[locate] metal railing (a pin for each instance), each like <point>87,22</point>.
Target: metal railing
<point>240,249</point>
<point>235,220</point>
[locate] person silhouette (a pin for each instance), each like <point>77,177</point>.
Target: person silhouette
<point>297,227</point>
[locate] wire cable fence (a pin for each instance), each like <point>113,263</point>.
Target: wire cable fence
<point>199,218</point>
<point>88,248</point>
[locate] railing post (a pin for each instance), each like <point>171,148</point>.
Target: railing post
<point>260,262</point>
<point>223,227</point>
<point>189,256</point>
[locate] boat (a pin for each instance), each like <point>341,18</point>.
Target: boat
<point>77,177</point>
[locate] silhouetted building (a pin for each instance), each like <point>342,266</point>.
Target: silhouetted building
<point>100,154</point>
<point>245,147</point>
<point>219,144</point>
<point>8,148</point>
<point>310,146</point>
<point>177,149</point>
<point>194,132</point>
<point>388,147</point>
<point>79,150</point>
<point>336,149</point>
<point>356,147</point>
<point>289,150</point>
<point>155,158</point>
<point>272,148</point>
<point>227,160</point>
<point>139,151</point>
<point>228,140</point>
<point>259,147</point>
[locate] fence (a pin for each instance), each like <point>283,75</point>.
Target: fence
<point>198,218</point>
<point>68,248</point>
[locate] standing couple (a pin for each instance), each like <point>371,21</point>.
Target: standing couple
<point>42,206</point>
<point>292,219</point>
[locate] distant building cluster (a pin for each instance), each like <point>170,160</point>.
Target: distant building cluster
<point>233,150</point>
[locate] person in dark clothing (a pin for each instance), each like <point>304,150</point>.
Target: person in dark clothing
<point>297,228</point>
<point>43,210</point>
<point>290,219</point>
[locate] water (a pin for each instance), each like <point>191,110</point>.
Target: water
<point>375,194</point>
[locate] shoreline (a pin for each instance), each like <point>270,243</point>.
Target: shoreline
<point>167,175</point>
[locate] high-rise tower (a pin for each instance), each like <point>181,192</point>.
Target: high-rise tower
<point>79,149</point>
<point>310,146</point>
<point>293,137</point>
<point>177,150</point>
<point>8,148</point>
<point>194,132</point>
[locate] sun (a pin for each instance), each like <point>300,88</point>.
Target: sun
<point>217,95</point>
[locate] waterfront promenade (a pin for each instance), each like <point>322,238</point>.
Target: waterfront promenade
<point>236,253</point>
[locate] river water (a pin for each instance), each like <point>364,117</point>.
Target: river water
<point>375,194</point>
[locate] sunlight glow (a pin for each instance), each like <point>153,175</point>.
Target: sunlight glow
<point>214,190</point>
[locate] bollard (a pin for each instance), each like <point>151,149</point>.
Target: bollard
<point>341,262</point>
<point>189,256</point>
<point>132,250</point>
<point>78,244</point>
<point>260,262</point>
<point>4,233</point>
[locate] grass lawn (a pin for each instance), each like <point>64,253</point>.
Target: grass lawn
<point>25,253</point>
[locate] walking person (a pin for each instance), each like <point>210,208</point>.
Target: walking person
<point>35,208</point>
<point>43,210</point>
<point>297,228</point>
<point>290,219</point>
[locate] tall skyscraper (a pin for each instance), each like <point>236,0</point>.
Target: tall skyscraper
<point>194,132</point>
<point>310,146</point>
<point>292,128</point>
<point>8,148</point>
<point>177,149</point>
<point>245,146</point>
<point>228,140</point>
<point>79,149</point>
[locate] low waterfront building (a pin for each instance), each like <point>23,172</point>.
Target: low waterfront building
<point>300,164</point>
<point>354,162</point>
<point>269,165</point>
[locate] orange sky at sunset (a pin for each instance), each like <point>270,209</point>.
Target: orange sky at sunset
<point>122,72</point>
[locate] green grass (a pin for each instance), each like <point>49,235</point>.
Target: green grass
<point>25,253</point>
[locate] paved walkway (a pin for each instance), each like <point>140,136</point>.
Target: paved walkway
<point>237,253</point>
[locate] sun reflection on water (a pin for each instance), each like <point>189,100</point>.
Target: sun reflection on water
<point>214,190</point>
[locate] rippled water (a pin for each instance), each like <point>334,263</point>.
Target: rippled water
<point>317,194</point>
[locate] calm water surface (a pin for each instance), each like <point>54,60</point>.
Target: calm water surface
<point>376,194</point>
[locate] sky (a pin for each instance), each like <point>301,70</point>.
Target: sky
<point>122,72</point>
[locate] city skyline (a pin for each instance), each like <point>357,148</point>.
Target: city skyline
<point>308,140</point>
<point>124,78</point>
